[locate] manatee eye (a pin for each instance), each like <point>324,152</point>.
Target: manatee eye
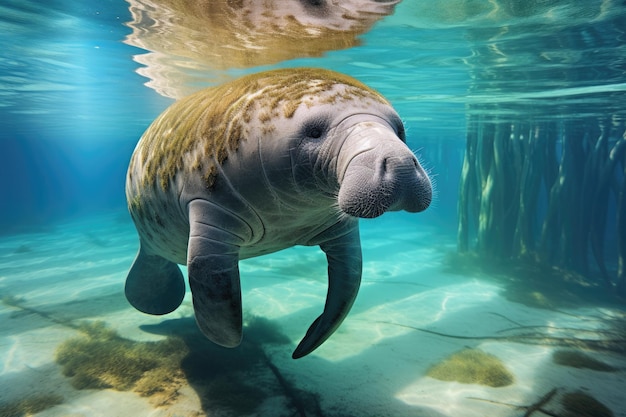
<point>314,3</point>
<point>315,128</point>
<point>401,132</point>
<point>399,126</point>
<point>317,8</point>
<point>315,133</point>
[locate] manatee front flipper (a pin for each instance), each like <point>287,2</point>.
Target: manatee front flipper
<point>154,285</point>
<point>344,278</point>
<point>213,267</point>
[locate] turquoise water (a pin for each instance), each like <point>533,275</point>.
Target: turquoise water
<point>515,109</point>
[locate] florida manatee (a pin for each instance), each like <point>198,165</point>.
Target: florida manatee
<point>262,163</point>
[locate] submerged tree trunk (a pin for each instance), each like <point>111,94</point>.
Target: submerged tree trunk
<point>546,192</point>
<point>532,155</point>
<point>543,177</point>
<point>621,227</point>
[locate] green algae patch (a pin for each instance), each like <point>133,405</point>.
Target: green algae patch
<point>576,359</point>
<point>579,404</point>
<point>99,358</point>
<point>30,405</point>
<point>472,366</point>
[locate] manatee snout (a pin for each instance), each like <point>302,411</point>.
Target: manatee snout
<point>384,177</point>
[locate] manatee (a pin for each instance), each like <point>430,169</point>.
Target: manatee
<point>259,164</point>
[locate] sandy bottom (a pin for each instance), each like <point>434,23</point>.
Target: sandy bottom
<point>374,365</point>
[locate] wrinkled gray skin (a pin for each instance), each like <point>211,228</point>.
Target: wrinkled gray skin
<point>307,184</point>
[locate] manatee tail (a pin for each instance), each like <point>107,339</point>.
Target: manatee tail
<point>154,285</point>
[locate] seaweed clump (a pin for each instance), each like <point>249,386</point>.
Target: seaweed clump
<point>100,358</point>
<point>472,366</point>
<point>30,405</point>
<point>577,359</point>
<point>579,404</point>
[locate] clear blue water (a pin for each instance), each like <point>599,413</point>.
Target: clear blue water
<point>80,82</point>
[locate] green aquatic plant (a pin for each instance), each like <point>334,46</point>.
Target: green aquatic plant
<point>579,404</point>
<point>472,366</point>
<point>576,359</point>
<point>99,358</point>
<point>30,405</point>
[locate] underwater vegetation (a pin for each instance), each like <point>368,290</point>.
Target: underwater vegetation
<point>472,366</point>
<point>229,382</point>
<point>99,358</point>
<point>545,190</point>
<point>30,405</point>
<point>576,359</point>
<point>506,165</point>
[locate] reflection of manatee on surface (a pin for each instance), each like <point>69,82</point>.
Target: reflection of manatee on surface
<point>189,39</point>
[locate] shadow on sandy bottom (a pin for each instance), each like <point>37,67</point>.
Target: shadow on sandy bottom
<point>249,380</point>
<point>244,381</point>
<point>231,381</point>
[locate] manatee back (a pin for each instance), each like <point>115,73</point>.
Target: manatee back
<point>196,134</point>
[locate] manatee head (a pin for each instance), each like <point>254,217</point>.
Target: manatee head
<point>351,143</point>
<point>376,170</point>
